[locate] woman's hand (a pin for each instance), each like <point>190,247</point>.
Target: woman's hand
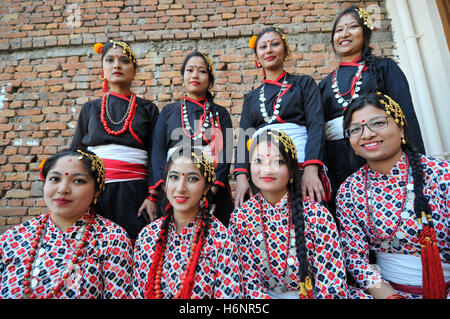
<point>311,184</point>
<point>242,188</point>
<point>147,210</point>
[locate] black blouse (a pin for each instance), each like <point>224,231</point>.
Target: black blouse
<point>90,130</point>
<point>393,83</point>
<point>300,104</point>
<point>169,132</point>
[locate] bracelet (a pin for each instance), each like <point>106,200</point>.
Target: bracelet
<point>395,296</point>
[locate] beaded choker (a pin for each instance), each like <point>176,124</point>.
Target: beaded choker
<point>262,106</point>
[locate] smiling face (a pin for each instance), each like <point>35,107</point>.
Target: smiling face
<point>348,38</point>
<point>68,190</point>
<point>185,186</point>
<point>118,69</point>
<point>381,148</point>
<point>196,78</point>
<point>270,51</point>
<point>269,171</point>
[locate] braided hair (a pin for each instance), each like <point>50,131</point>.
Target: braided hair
<point>370,60</point>
<point>294,195</point>
<point>205,220</point>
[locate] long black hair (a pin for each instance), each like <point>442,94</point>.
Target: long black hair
<point>367,51</point>
<point>414,157</point>
<point>295,197</point>
<point>209,67</point>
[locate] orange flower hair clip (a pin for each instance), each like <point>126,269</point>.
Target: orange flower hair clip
<point>252,41</point>
<point>98,48</point>
<point>41,167</point>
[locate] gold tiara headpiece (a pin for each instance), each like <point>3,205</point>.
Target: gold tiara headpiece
<point>393,109</point>
<point>210,63</point>
<point>126,49</point>
<point>288,143</point>
<point>365,16</point>
<point>204,161</point>
<point>97,165</point>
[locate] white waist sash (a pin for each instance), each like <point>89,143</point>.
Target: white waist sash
<point>120,153</point>
<point>404,269</point>
<point>334,129</point>
<point>297,133</point>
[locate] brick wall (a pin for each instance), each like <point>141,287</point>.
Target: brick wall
<point>48,68</point>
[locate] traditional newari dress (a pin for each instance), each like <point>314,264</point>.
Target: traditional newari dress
<point>217,273</point>
<point>127,156</point>
<point>390,228</point>
<point>103,270</point>
<point>266,241</point>
<point>290,103</point>
<point>345,84</point>
<point>201,124</point>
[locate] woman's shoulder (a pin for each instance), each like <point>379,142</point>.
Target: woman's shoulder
<point>435,168</point>
<point>20,231</point>
<point>219,232</point>
<point>317,214</point>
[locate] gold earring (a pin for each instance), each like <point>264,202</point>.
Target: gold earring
<point>403,140</point>
<point>291,180</point>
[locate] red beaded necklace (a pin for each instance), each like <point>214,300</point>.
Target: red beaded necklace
<point>375,231</point>
<point>189,265</point>
<point>129,115</point>
<point>35,245</point>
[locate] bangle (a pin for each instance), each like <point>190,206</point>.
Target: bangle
<point>395,296</point>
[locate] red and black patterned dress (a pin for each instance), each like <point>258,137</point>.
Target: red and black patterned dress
<point>106,262</point>
<point>396,236</point>
<point>217,272</point>
<point>268,258</point>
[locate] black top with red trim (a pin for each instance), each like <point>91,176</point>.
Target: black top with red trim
<point>300,105</point>
<point>169,132</point>
<point>90,130</point>
<point>393,83</point>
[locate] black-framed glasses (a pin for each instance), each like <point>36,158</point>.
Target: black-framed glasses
<point>376,124</point>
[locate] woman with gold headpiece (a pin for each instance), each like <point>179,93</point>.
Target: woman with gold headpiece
<point>119,128</point>
<point>288,247</point>
<point>69,252</point>
<point>359,71</point>
<point>196,120</point>
<point>187,253</point>
<point>395,206</point>
<point>286,102</point>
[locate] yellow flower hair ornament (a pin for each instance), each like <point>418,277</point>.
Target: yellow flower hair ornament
<point>249,143</point>
<point>252,41</point>
<point>98,48</point>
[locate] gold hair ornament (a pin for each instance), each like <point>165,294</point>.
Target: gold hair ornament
<point>96,165</point>
<point>208,166</point>
<point>393,109</point>
<point>125,49</point>
<point>283,138</point>
<point>365,16</point>
<point>210,63</point>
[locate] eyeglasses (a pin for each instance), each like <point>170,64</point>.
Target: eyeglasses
<point>375,124</point>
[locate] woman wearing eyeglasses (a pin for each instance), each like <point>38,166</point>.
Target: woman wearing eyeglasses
<point>397,206</point>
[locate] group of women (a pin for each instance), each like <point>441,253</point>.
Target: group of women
<point>334,197</point>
